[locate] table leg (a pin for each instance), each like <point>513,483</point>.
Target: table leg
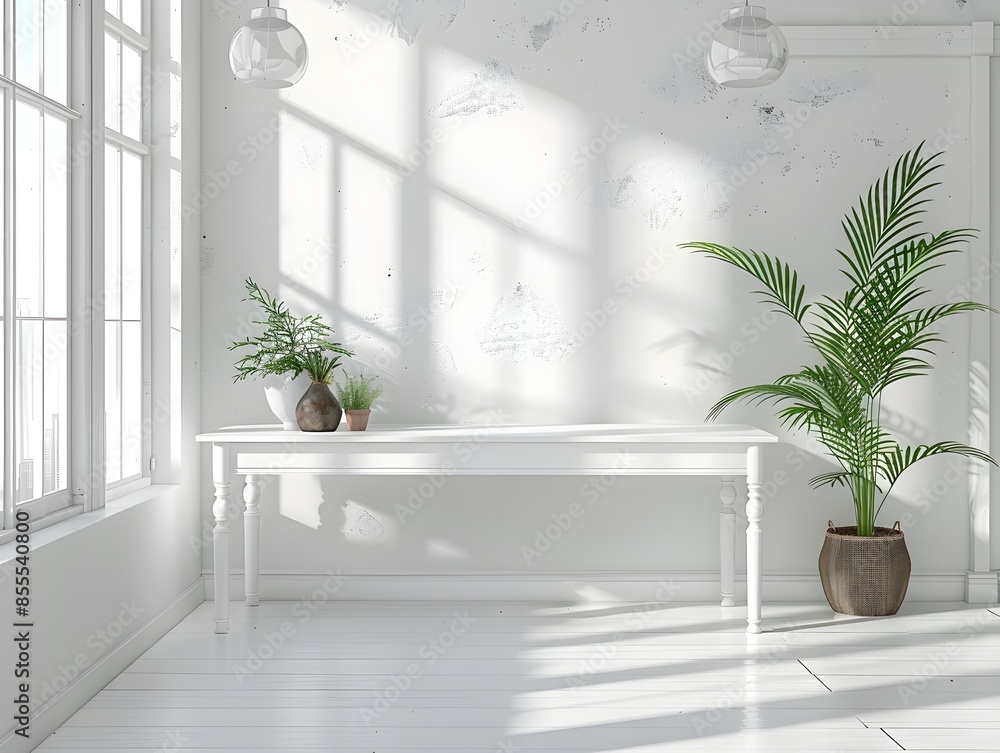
<point>727,542</point>
<point>755,538</point>
<point>222,509</point>
<point>251,539</point>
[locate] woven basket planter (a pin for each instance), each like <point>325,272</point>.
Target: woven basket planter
<point>864,576</point>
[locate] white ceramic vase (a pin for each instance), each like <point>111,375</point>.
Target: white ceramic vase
<point>283,394</point>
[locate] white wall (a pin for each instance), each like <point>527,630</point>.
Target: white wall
<point>384,191</point>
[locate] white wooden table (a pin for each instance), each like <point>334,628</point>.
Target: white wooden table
<point>484,450</point>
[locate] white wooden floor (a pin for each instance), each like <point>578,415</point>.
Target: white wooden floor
<point>382,677</point>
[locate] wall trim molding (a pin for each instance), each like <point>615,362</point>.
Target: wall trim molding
<point>46,718</point>
<point>887,40</point>
<point>982,588</point>
<point>700,586</point>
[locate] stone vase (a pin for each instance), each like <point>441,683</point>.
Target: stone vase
<point>318,409</point>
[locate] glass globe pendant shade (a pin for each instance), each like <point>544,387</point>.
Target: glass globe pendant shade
<point>747,50</point>
<point>268,52</point>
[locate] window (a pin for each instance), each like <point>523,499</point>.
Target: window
<point>55,163</point>
<point>125,152</point>
<point>36,209</point>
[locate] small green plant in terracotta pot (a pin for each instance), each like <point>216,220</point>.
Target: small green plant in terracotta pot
<point>356,396</point>
<point>318,409</point>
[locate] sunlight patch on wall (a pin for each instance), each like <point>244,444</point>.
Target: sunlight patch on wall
<point>439,549</point>
<point>529,176</point>
<point>362,83</point>
<point>361,525</point>
<point>306,170</point>
<point>370,228</point>
<point>299,498</point>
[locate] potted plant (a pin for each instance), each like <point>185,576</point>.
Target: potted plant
<point>874,335</point>
<point>278,353</point>
<point>356,396</point>
<point>318,409</point>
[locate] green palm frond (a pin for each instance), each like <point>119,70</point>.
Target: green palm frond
<point>762,393</point>
<point>872,336</point>
<point>835,478</point>
<point>879,223</point>
<point>781,282</point>
<point>894,463</point>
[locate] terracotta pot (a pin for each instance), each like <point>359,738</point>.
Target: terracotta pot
<point>864,576</point>
<point>357,420</point>
<point>283,394</point>
<point>318,410</point>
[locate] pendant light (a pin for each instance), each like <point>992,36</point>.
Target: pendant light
<point>268,52</point>
<point>747,50</point>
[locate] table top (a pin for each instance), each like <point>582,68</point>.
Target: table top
<point>500,433</point>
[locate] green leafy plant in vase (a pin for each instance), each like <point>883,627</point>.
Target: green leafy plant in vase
<point>357,394</point>
<point>277,353</point>
<point>318,409</point>
<point>877,333</point>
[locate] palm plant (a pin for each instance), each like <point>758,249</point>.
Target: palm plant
<point>871,337</point>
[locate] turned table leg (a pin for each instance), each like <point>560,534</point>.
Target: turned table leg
<point>727,542</point>
<point>222,509</point>
<point>251,540</point>
<point>755,536</point>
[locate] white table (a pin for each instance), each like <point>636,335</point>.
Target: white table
<point>485,450</point>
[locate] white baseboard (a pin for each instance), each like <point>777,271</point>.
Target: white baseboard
<point>49,716</point>
<point>981,588</point>
<point>555,586</point>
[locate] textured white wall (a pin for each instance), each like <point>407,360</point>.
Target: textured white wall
<point>395,189</point>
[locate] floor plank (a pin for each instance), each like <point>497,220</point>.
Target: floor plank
<point>589,678</point>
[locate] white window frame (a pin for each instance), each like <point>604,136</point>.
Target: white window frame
<point>87,491</point>
<point>58,505</point>
<point>142,43</point>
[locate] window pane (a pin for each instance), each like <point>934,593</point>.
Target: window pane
<point>131,410</point>
<point>132,14</point>
<point>28,42</point>
<point>28,215</point>
<point>131,243</point>
<point>131,92</point>
<point>3,343</point>
<point>112,82</point>
<point>29,352</point>
<point>111,6</point>
<point>3,417</point>
<point>112,404</point>
<point>55,410</point>
<point>112,229</point>
<point>56,216</point>
<point>56,49</point>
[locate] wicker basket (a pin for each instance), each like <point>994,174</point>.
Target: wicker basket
<point>864,576</point>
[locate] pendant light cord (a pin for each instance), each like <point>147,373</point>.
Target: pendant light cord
<point>267,45</point>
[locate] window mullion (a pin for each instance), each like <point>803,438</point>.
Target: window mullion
<point>126,32</point>
<point>98,428</point>
<point>147,253</point>
<point>9,465</point>
<point>87,353</point>
<point>8,37</point>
